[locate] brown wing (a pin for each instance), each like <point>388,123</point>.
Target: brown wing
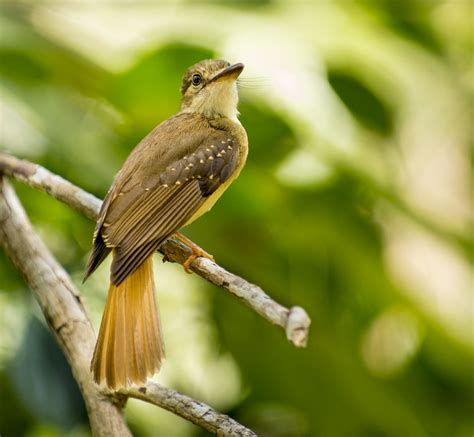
<point>140,215</point>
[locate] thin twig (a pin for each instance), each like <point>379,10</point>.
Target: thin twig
<point>294,321</point>
<point>64,312</point>
<point>190,409</point>
<point>38,177</point>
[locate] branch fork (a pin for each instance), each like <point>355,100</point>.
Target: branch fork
<point>62,306</point>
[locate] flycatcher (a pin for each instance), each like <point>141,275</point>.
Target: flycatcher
<point>172,177</point>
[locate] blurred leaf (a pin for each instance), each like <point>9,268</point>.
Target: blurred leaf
<point>362,102</point>
<point>44,382</point>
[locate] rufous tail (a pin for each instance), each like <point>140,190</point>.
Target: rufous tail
<point>129,347</point>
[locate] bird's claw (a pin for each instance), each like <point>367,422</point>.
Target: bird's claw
<point>196,253</point>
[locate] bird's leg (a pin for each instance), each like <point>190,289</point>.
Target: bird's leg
<point>196,251</point>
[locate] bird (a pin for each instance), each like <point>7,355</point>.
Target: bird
<point>171,178</point>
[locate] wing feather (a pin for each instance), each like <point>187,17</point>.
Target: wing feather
<point>142,212</point>
<point>141,209</point>
<point>129,255</point>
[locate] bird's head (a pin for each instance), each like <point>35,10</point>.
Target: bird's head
<point>210,88</point>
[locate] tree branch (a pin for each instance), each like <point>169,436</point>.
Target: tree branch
<point>61,306</point>
<point>294,321</point>
<point>64,312</point>
<point>186,407</point>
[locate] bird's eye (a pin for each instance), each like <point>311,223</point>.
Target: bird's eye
<point>196,79</point>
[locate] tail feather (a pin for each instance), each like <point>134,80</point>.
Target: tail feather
<point>129,347</point>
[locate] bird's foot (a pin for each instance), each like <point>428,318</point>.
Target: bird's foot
<point>196,252</point>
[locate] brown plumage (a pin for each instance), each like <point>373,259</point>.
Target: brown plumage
<point>130,347</point>
<point>173,176</point>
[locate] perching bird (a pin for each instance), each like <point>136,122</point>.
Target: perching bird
<point>172,177</point>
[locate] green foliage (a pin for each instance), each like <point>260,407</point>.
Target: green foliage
<point>381,361</point>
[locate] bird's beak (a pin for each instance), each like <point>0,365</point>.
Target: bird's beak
<point>231,72</point>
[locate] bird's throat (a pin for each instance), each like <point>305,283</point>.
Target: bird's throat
<point>220,99</point>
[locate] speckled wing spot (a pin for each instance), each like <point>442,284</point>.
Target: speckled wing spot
<point>207,164</point>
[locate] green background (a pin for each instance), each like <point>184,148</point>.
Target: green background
<point>354,204</point>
